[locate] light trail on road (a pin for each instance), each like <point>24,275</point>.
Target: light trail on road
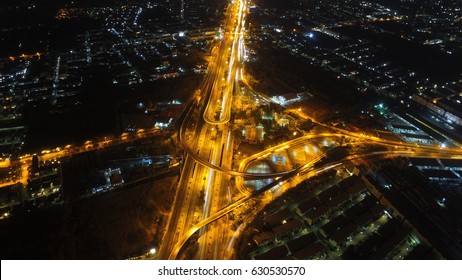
<point>208,144</point>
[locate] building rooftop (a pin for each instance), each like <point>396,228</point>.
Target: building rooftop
<point>277,217</point>
<point>273,254</point>
<point>310,251</point>
<point>302,241</point>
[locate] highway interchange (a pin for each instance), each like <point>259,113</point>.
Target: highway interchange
<point>204,198</point>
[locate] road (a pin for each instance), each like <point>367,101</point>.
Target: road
<point>204,197</point>
<point>56,154</point>
<point>208,142</point>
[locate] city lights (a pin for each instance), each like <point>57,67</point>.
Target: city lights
<point>231,130</point>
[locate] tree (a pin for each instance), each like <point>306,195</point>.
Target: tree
<point>256,114</point>
<point>338,153</point>
<point>306,125</point>
<point>35,163</point>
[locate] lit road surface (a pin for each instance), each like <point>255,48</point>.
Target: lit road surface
<point>394,149</point>
<point>201,189</point>
<point>58,153</point>
<point>305,171</point>
<point>203,197</point>
<point>218,113</point>
<point>228,62</point>
<point>211,169</point>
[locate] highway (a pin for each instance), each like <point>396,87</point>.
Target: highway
<point>208,143</point>
<point>204,196</point>
<point>217,114</point>
<point>301,173</point>
<point>206,192</point>
<point>217,172</point>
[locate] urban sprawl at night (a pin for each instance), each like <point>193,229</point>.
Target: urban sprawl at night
<point>231,129</point>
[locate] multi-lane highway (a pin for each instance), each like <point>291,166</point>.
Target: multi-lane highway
<point>207,138</point>
<point>204,195</point>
